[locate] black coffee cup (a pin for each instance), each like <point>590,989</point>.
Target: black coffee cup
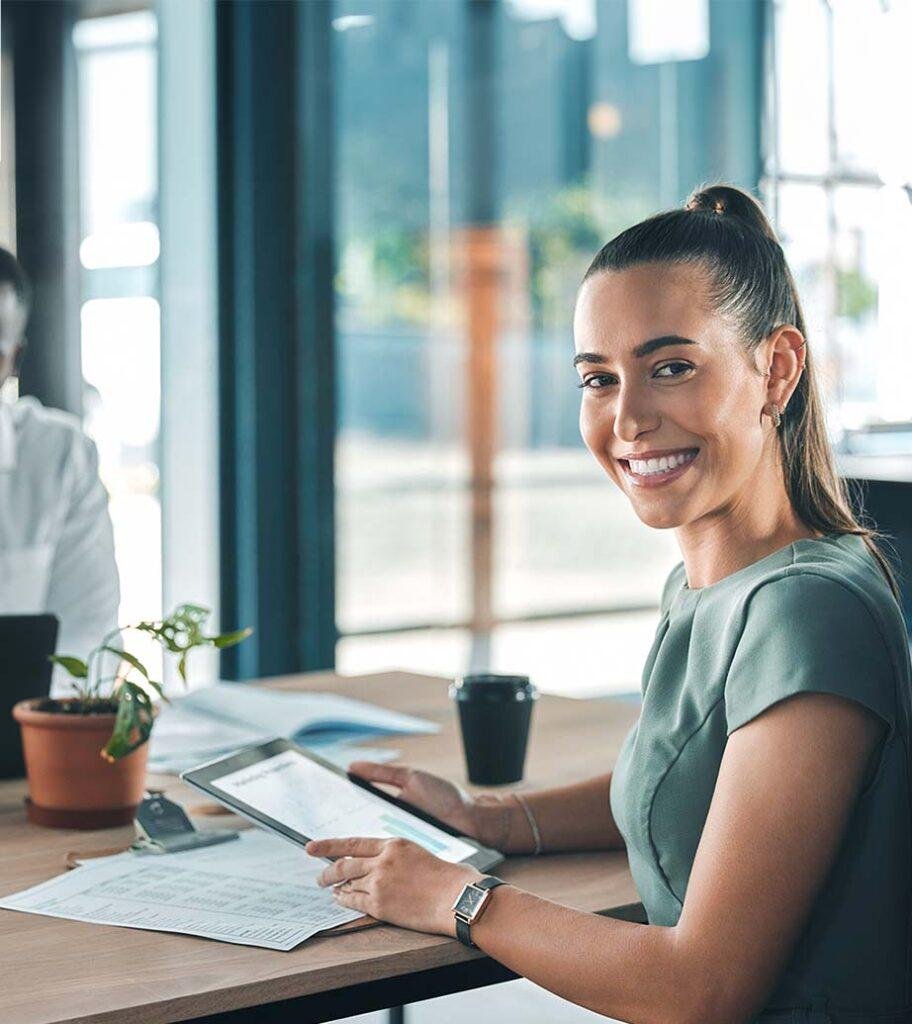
<point>494,715</point>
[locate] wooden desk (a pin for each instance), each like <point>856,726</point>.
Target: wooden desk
<point>61,971</point>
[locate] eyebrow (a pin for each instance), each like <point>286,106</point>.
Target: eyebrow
<point>641,350</point>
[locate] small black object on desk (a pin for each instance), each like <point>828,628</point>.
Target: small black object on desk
<point>494,715</point>
<point>164,827</point>
<point>27,643</point>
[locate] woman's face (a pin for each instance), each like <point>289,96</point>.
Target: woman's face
<point>665,377</point>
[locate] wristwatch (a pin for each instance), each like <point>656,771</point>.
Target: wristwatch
<point>471,905</point>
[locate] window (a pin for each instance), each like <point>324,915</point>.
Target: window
<point>121,323</point>
<point>484,154</point>
<point>838,176</point>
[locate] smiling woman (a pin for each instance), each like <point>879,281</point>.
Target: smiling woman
<point>763,797</point>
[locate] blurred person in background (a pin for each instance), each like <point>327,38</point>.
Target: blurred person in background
<point>56,539</point>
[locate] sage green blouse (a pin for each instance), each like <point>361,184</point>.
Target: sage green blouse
<point>814,616</point>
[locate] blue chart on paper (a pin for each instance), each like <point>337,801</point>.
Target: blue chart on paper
<point>404,830</point>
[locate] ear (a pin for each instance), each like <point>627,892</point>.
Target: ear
<point>783,359</point>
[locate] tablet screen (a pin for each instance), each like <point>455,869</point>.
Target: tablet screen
<point>319,804</point>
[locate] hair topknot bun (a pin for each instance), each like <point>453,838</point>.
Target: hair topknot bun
<point>731,202</point>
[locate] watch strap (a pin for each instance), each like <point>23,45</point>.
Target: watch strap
<point>463,928</point>
<point>488,882</point>
<point>464,933</point>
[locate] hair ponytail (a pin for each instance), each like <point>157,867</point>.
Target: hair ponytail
<point>725,230</point>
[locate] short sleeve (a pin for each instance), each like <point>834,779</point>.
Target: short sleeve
<point>808,633</point>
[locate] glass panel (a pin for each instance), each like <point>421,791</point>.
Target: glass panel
<point>485,153</point>
<point>120,367</point>
<point>802,97</point>
<point>857,344</point>
<point>402,527</point>
<point>849,241</point>
<point>872,82</point>
<point>121,331</point>
<point>584,656</point>
<point>885,235</point>
<point>851,254</point>
<point>117,83</point>
<point>577,168</point>
<point>402,469</point>
<point>568,540</point>
<point>805,224</point>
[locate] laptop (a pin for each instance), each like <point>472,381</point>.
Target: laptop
<point>26,644</point>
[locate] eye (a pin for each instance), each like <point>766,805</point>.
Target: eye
<point>669,366</point>
<point>595,381</point>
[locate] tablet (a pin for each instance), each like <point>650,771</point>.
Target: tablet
<point>299,796</point>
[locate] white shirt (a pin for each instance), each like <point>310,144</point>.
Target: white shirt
<point>56,540</point>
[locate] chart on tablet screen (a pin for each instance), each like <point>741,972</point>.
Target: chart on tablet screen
<point>322,805</point>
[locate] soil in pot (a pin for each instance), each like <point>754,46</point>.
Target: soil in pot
<point>70,784</point>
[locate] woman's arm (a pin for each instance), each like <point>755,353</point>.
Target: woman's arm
<point>573,817</point>
<point>786,786</point>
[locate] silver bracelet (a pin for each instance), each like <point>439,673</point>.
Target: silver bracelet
<point>530,817</point>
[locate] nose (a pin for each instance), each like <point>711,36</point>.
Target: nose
<point>635,414</point>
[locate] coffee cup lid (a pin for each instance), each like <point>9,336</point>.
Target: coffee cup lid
<point>493,687</point>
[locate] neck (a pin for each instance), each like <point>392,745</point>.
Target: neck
<point>751,526</point>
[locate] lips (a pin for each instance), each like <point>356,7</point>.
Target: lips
<point>657,478</point>
<point>658,454</point>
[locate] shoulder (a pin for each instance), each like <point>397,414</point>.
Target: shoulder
<point>30,415</point>
<point>45,433</point>
<point>818,625</point>
<point>831,583</point>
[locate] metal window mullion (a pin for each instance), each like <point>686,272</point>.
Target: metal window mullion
<point>276,334</point>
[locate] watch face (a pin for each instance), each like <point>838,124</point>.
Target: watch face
<point>471,901</point>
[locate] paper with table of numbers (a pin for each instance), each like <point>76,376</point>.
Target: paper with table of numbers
<point>257,890</point>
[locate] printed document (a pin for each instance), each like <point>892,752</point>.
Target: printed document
<point>216,720</point>
<point>256,890</point>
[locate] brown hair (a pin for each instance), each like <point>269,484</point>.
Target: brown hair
<point>725,231</point>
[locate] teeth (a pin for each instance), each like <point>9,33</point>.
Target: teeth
<point>661,465</point>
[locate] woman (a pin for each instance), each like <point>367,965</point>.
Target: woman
<point>763,797</point>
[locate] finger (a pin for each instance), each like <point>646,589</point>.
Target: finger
<point>344,869</point>
<point>391,774</point>
<point>358,885</point>
<point>350,846</point>
<point>353,899</point>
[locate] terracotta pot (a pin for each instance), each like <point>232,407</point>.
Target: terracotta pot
<point>70,784</point>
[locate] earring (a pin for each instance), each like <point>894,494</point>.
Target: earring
<point>772,410</point>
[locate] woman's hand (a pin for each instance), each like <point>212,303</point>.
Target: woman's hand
<point>394,880</point>
<point>427,792</point>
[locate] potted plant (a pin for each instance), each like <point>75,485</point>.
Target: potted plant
<point>86,755</point>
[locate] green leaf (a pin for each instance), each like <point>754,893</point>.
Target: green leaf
<point>75,666</point>
<point>159,689</point>
<point>132,724</point>
<point>191,611</point>
<point>129,658</point>
<point>181,632</point>
<point>230,639</point>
